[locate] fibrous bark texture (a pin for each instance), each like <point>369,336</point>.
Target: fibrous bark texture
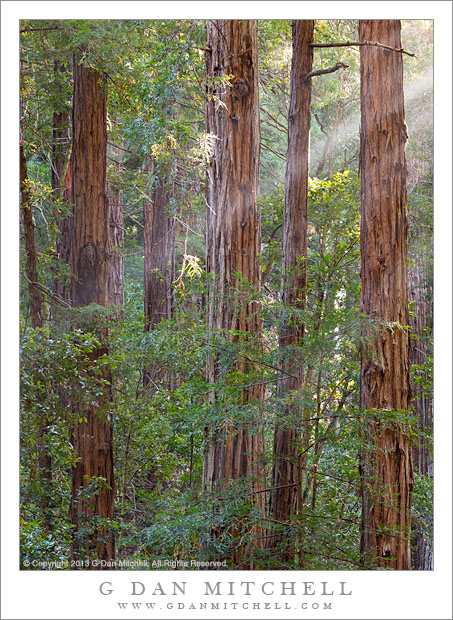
<point>385,388</point>
<point>233,243</point>
<point>90,260</point>
<point>159,249</point>
<point>159,240</point>
<point>286,498</point>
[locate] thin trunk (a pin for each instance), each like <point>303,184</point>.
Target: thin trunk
<point>61,176</point>
<point>322,161</point>
<point>116,275</point>
<point>334,133</point>
<point>31,267</point>
<point>61,180</point>
<point>316,439</point>
<point>286,501</point>
<point>233,243</point>
<point>420,293</point>
<point>90,261</point>
<point>31,272</point>
<point>60,133</point>
<point>384,382</point>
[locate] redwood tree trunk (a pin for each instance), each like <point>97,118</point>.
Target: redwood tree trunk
<point>233,243</point>
<point>159,250</point>
<point>384,388</point>
<point>159,241</point>
<point>286,498</point>
<point>90,261</point>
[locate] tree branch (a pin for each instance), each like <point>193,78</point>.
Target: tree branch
<point>339,65</point>
<point>272,150</point>
<point>270,172</point>
<point>364,43</point>
<point>282,127</point>
<point>271,236</point>
<point>321,126</point>
<point>48,292</point>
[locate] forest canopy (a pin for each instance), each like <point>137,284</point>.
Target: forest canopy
<point>226,259</point>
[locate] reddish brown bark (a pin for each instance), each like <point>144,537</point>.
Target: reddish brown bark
<point>159,242</point>
<point>159,251</point>
<point>90,261</point>
<point>233,243</point>
<point>384,388</point>
<point>286,499</point>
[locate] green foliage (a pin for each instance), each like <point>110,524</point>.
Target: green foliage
<point>161,407</point>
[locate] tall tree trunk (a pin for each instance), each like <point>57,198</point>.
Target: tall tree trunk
<point>159,250</point>
<point>286,498</point>
<point>384,380</point>
<point>159,241</point>
<point>233,243</point>
<point>90,262</point>
<point>31,271</point>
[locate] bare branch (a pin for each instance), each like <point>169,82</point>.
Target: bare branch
<point>48,292</point>
<point>270,172</point>
<point>279,125</point>
<point>339,65</point>
<point>272,150</point>
<point>362,44</point>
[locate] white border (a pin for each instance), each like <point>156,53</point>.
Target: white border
<point>375,594</point>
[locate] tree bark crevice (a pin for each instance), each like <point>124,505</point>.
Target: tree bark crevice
<point>92,475</point>
<point>233,243</point>
<point>386,461</point>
